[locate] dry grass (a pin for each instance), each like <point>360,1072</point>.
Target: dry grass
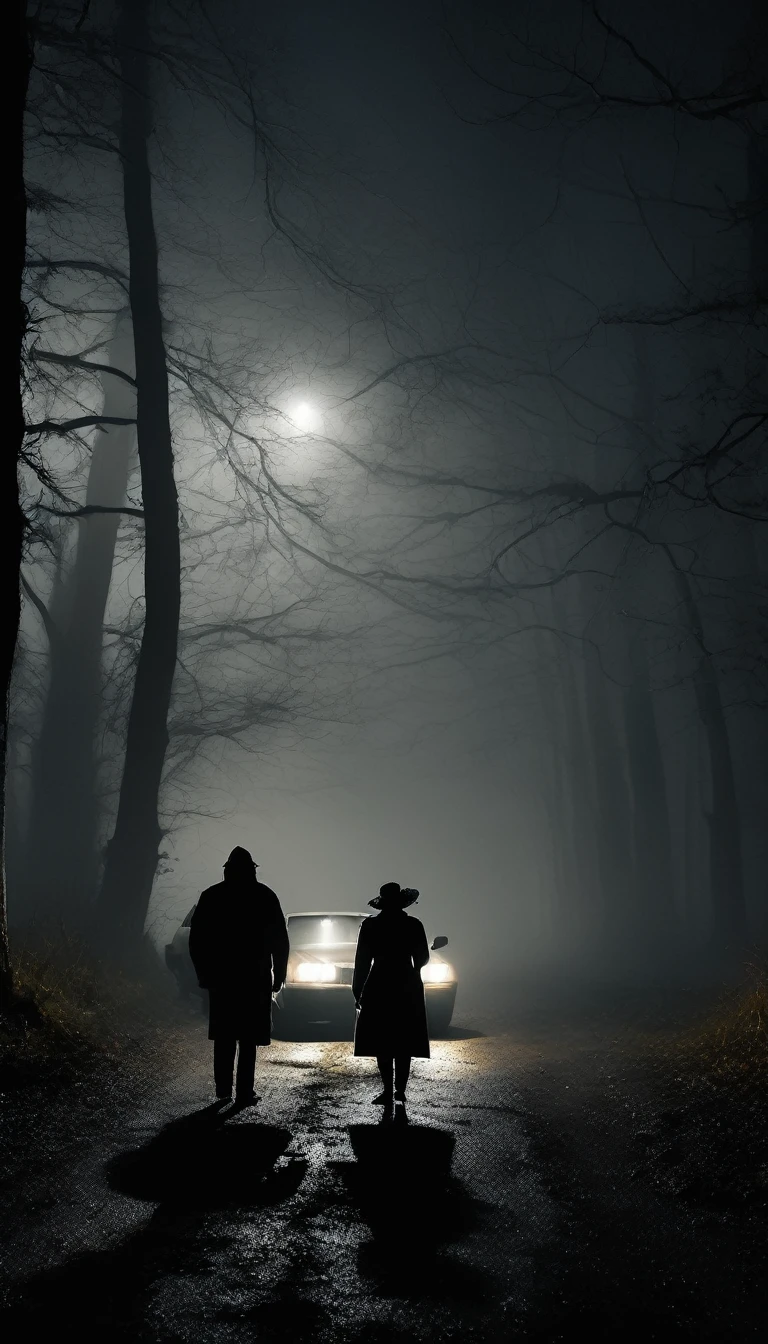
<point>730,1047</point>
<point>74,1004</point>
<point>710,1142</point>
<point>86,1042</point>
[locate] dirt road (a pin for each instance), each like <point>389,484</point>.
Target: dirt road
<point>511,1202</point>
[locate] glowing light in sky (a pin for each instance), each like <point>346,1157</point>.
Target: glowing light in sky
<point>306,417</point>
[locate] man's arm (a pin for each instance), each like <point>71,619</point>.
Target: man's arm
<point>200,941</point>
<point>279,945</point>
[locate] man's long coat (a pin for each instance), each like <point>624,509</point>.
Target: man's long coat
<point>238,943</point>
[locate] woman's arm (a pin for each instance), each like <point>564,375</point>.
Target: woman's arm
<point>363,960</point>
<point>280,950</point>
<point>420,948</point>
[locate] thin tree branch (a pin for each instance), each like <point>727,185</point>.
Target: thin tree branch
<point>89,509</point>
<point>82,422</point>
<point>53,357</point>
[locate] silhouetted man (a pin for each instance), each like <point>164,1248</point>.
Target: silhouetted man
<point>238,943</point>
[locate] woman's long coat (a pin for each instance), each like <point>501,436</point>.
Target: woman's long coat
<point>238,943</point>
<point>391,950</point>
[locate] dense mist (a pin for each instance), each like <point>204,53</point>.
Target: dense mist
<point>383,903</point>
<point>395,473</point>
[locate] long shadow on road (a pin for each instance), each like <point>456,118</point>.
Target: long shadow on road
<point>198,1162</point>
<point>402,1186</point>
<point>193,1166</point>
<point>196,1270</point>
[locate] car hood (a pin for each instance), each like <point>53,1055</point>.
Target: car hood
<point>341,955</point>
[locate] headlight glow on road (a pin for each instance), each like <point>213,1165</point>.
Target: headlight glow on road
<point>317,972</point>
<point>436,973</point>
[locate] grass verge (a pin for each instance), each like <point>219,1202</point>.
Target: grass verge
<point>87,1044</point>
<point>75,1008</point>
<point>710,1142</point>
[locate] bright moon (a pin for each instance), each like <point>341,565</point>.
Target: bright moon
<point>306,417</point>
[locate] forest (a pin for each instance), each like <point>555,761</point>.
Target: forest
<point>386,498</point>
<point>259,462</point>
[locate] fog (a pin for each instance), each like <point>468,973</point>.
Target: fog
<point>463,310</point>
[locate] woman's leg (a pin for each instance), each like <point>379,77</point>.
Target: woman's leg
<point>402,1070</point>
<point>386,1071</point>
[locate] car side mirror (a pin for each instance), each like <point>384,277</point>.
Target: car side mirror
<point>438,943</point>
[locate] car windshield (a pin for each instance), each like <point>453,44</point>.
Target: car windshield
<point>318,931</point>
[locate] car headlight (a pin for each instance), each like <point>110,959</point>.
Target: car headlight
<point>317,972</point>
<point>437,973</point>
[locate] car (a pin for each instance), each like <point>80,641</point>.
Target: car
<point>318,987</point>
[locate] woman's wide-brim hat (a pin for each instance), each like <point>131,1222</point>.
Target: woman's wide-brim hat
<point>393,895</point>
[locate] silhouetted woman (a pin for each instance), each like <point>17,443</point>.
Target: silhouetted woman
<point>392,1021</point>
<point>238,943</point>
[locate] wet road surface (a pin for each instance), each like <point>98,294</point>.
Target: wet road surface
<point>505,1204</point>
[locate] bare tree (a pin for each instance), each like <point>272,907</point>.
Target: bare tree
<point>132,853</point>
<point>700,457</point>
<point>285,545</point>
<point>62,848</point>
<point>20,63</point>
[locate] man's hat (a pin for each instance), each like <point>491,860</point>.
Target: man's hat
<point>240,858</point>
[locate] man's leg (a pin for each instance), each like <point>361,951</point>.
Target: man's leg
<point>402,1070</point>
<point>246,1068</point>
<point>385,1069</point>
<point>224,1065</point>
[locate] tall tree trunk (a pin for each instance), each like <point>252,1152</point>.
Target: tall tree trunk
<point>561,896</point>
<point>651,834</point>
<point>585,916</point>
<point>610,821</point>
<point>563,860</point>
<point>581,925</point>
<point>725,840</point>
<point>758,374</point>
<point>132,854</point>
<point>693,869</point>
<point>62,856</point>
<point>723,817</point>
<point>585,889</point>
<point>18,67</point>
<point>611,824</point>
<point>757,161</point>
